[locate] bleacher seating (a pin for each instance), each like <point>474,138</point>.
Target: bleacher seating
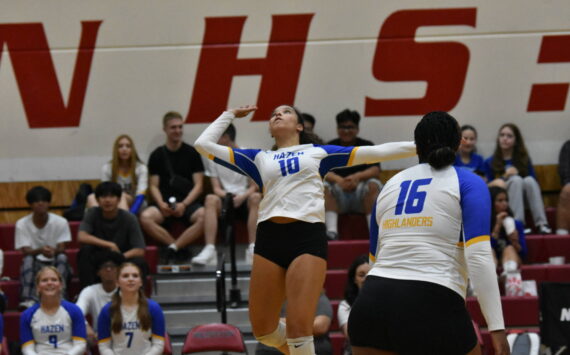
<point>520,312</point>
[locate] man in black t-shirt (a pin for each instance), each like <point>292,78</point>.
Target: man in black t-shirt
<point>353,189</point>
<point>176,175</point>
<point>106,227</point>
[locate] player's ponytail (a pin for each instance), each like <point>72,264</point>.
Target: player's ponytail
<point>437,138</point>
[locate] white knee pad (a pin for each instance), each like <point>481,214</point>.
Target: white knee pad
<point>301,346</point>
<point>276,339</point>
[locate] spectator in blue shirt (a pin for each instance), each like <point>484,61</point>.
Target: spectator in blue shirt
<point>466,156</point>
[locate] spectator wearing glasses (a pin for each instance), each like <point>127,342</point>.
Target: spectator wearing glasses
<point>353,189</point>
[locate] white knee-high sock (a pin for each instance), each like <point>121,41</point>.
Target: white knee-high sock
<point>331,221</point>
<point>301,346</point>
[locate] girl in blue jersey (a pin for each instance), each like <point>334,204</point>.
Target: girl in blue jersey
<point>430,233</point>
<point>291,245</point>
<point>131,324</point>
<point>52,326</point>
<point>511,163</point>
<point>507,234</point>
<point>466,155</point>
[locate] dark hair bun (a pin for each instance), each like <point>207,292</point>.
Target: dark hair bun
<point>441,157</point>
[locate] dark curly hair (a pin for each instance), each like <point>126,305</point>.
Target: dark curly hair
<point>351,289</point>
<point>437,138</point>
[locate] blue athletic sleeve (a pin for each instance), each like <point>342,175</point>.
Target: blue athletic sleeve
<point>337,157</point>
<point>104,323</point>
<point>243,161</point>
<point>78,330</point>
<point>26,335</point>
<point>137,203</point>
<point>158,327</point>
<point>475,207</point>
<point>374,229</point>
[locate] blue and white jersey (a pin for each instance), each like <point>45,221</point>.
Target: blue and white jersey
<point>433,225</point>
<point>291,178</point>
<point>132,339</point>
<point>57,333</point>
<point>425,217</point>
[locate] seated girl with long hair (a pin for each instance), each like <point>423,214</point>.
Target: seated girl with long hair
<point>131,324</point>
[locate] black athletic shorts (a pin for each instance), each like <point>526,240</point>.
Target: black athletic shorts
<point>185,218</point>
<point>410,318</point>
<point>282,243</point>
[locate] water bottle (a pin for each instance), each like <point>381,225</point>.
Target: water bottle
<point>172,202</point>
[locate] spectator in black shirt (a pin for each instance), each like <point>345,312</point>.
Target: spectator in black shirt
<point>352,189</point>
<point>175,184</point>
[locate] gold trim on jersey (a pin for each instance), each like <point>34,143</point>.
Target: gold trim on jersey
<point>232,158</point>
<point>481,238</point>
<point>351,158</point>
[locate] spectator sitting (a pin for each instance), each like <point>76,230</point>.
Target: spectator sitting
<point>466,155</point>
<point>53,326</point>
<point>176,172</point>
<point>510,162</point>
<point>507,234</point>
<point>92,298</point>
<point>105,228</point>
<point>309,123</point>
<point>321,325</point>
<point>356,274</point>
<point>41,237</point>
<point>353,189</point>
<point>245,201</point>
<point>563,209</point>
<point>127,170</point>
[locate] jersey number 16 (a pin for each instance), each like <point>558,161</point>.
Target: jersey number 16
<point>412,202</point>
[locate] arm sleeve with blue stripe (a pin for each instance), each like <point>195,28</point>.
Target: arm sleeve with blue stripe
<point>338,156</point>
<point>158,328</point>
<point>476,212</point>
<point>374,229</point>
<point>26,335</point>
<point>239,160</point>
<point>104,323</point>
<point>78,331</point>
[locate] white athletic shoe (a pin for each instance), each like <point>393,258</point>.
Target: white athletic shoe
<point>249,254</point>
<point>207,256</point>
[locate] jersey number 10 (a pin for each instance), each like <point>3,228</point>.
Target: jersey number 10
<point>412,202</point>
<point>289,166</point>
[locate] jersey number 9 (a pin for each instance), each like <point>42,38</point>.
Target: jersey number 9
<point>53,340</point>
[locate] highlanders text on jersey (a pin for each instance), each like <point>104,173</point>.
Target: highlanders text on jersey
<point>291,178</point>
<point>57,333</point>
<point>131,340</point>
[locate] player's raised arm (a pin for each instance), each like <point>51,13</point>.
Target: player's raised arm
<point>207,142</point>
<point>383,152</point>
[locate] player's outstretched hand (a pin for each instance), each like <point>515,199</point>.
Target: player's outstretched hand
<point>243,111</point>
<point>500,342</point>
